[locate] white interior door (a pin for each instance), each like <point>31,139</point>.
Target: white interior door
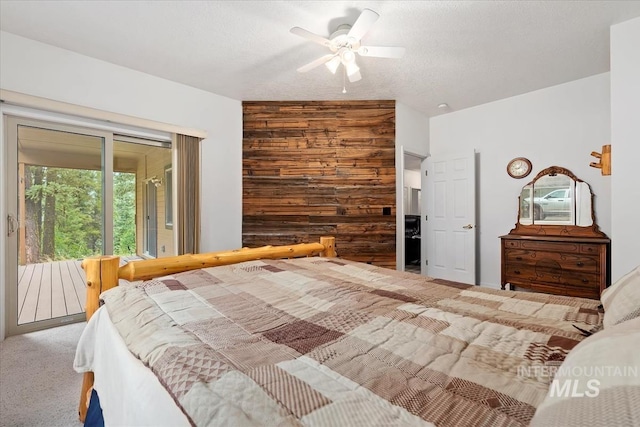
<point>450,217</point>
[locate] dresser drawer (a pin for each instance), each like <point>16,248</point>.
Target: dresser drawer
<point>550,246</point>
<point>586,248</point>
<point>512,243</point>
<point>582,280</point>
<point>576,291</point>
<point>576,262</point>
<point>523,273</point>
<point>563,290</point>
<point>531,273</point>
<point>548,271</point>
<point>517,271</point>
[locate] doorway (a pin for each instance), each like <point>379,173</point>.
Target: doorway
<point>72,193</point>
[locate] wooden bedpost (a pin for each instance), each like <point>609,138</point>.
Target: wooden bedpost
<point>329,244</point>
<point>102,274</point>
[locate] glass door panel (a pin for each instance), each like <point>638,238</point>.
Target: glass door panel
<point>60,217</point>
<point>142,197</point>
<point>126,164</point>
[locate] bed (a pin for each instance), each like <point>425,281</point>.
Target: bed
<point>273,336</point>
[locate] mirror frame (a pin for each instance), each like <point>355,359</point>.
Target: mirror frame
<point>566,230</point>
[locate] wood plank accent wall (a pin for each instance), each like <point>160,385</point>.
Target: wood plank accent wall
<point>321,168</point>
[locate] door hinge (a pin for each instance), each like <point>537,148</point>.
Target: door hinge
<point>426,217</point>
<point>426,172</point>
<point>426,262</point>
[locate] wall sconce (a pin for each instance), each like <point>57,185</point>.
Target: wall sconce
<point>605,160</point>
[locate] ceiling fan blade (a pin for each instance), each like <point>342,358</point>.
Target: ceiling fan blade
<point>313,64</point>
<point>354,77</point>
<point>364,22</point>
<point>381,51</point>
<point>310,36</point>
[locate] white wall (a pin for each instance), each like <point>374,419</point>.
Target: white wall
<point>412,136</point>
<point>412,179</point>
<point>625,146</point>
<point>559,125</point>
<point>45,71</point>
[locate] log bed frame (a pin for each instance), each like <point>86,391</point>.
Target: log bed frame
<point>104,273</point>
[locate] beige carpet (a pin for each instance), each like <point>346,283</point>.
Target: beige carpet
<point>38,386</point>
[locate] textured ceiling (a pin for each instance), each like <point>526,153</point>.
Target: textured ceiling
<point>462,53</point>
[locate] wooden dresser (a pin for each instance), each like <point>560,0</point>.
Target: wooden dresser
<point>572,266</point>
<point>556,246</point>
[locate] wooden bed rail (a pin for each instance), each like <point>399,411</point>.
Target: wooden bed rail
<point>143,270</point>
<point>104,272</point>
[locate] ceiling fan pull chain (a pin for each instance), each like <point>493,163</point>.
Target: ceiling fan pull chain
<point>344,80</point>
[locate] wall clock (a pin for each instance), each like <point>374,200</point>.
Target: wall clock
<point>519,167</point>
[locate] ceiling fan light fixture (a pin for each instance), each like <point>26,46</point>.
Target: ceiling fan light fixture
<point>348,57</point>
<point>352,68</point>
<point>356,76</point>
<point>333,64</point>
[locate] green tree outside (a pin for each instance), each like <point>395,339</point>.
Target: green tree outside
<point>66,205</point>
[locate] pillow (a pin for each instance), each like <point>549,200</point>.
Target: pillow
<point>621,301</point>
<point>598,384</point>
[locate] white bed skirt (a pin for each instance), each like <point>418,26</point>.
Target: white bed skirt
<point>130,394</point>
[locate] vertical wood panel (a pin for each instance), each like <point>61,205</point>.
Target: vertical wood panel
<point>321,168</point>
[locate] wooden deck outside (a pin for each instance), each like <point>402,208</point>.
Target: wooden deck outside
<point>50,290</point>
<point>53,289</point>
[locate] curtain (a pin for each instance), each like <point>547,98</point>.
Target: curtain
<point>188,197</point>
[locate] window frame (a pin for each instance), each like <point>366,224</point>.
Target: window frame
<point>168,197</point>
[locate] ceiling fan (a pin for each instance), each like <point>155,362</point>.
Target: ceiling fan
<point>344,43</point>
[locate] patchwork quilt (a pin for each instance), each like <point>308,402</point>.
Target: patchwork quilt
<point>326,341</point>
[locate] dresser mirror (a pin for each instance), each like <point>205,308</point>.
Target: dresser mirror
<point>556,201</point>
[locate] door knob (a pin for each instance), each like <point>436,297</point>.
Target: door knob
<point>467,227</point>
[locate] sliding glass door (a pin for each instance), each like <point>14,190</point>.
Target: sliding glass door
<point>73,193</point>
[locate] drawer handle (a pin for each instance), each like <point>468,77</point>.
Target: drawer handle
<point>519,258</point>
<point>585,281</point>
<point>580,264</point>
<point>516,271</point>
<point>590,249</point>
